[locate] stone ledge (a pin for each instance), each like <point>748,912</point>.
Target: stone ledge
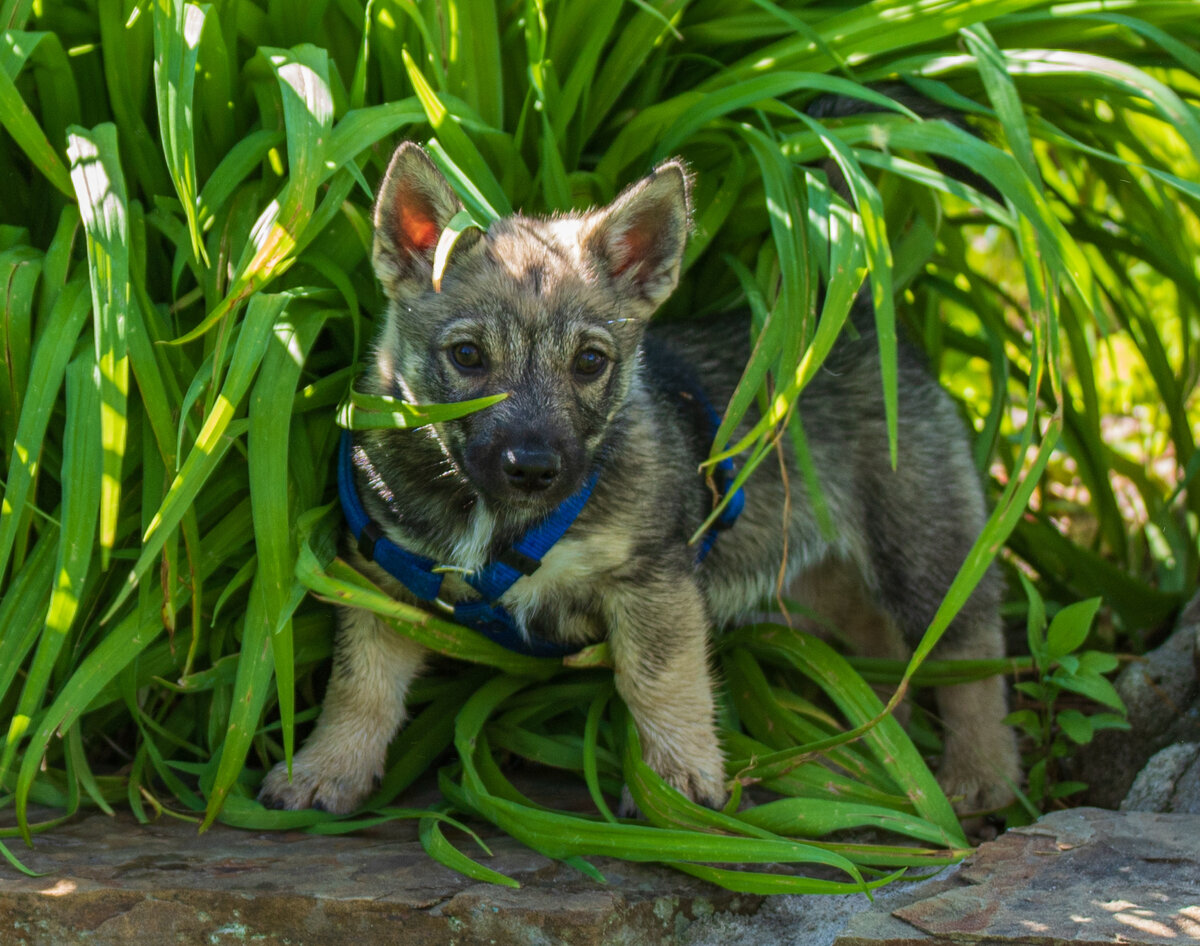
<point>112,881</point>
<point>1085,876</point>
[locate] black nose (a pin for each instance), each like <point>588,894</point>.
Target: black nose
<point>531,468</point>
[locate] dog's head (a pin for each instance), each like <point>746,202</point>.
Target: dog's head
<point>550,310</point>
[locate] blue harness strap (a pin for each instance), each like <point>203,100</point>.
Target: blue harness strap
<point>722,474</point>
<point>413,571</point>
<point>420,575</point>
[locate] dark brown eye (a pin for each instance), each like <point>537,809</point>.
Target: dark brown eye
<point>589,362</point>
<point>467,356</point>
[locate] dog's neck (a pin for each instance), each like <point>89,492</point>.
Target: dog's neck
<point>419,499</point>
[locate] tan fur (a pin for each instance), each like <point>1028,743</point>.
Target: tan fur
<point>364,708</point>
<point>668,689</point>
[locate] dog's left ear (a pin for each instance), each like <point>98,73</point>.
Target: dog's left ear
<point>637,241</point>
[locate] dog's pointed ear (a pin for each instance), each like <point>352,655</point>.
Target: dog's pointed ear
<point>414,205</point>
<point>637,241</point>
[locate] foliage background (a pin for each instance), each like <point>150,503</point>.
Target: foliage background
<point>184,256</point>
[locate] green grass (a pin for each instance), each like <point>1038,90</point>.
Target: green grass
<point>184,256</point>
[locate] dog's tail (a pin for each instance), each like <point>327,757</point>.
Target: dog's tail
<point>845,106</point>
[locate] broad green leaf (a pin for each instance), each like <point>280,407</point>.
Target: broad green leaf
<point>177,29</point>
<point>1069,628</point>
<point>100,186</point>
<point>215,437</point>
<point>19,121</point>
<point>46,372</point>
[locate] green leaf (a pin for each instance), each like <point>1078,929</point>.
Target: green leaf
<point>177,29</point>
<point>100,186</point>
<point>50,356</point>
<point>215,437</point>
<point>1092,686</point>
<point>18,121</point>
<point>383,412</point>
<point>1077,726</point>
<point>1069,628</point>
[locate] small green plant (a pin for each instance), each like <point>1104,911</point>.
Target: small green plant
<point>1062,667</point>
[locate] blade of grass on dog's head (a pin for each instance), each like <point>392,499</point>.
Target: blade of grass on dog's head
<point>381,412</point>
<point>455,228</point>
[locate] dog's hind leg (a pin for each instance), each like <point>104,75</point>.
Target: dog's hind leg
<point>913,565</point>
<point>980,765</point>
<point>343,759</point>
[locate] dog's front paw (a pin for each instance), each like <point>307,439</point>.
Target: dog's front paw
<point>705,786</point>
<point>315,786</point>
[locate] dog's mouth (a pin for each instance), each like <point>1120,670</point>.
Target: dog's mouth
<point>526,478</point>
<point>531,503</point>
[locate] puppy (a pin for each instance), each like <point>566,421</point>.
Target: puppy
<point>609,418</point>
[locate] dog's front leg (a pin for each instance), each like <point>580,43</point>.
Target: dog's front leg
<point>659,639</point>
<point>364,707</point>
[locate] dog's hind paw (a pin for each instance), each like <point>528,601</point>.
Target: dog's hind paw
<point>981,776</point>
<point>310,787</point>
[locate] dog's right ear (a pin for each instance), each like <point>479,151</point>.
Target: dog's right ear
<point>414,205</point>
<point>637,241</point>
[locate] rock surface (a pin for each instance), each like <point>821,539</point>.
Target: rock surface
<point>1084,876</point>
<point>1162,693</point>
<point>111,881</point>
<point>1170,781</point>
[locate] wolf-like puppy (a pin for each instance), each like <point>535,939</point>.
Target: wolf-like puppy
<point>555,312</point>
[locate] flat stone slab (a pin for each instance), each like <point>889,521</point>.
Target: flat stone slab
<point>1085,876</point>
<point>113,881</point>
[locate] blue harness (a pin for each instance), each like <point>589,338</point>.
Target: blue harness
<point>422,577</point>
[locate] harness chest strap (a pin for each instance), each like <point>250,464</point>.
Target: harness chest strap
<point>423,578</point>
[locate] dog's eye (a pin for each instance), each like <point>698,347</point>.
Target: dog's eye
<point>589,362</point>
<point>467,356</point>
